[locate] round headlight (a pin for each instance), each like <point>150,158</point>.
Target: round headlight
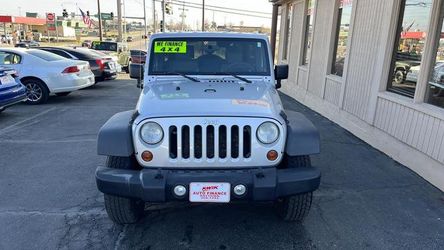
<point>267,132</point>
<point>151,133</point>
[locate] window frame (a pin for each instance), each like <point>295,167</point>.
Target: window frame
<point>426,57</point>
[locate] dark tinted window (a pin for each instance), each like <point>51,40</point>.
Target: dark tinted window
<point>58,52</point>
<point>209,56</point>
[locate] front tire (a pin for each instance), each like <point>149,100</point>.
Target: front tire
<point>295,207</point>
<point>119,209</point>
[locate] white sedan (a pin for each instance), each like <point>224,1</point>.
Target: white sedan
<point>44,73</point>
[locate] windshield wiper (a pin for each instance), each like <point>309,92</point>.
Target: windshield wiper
<point>184,75</point>
<point>240,78</point>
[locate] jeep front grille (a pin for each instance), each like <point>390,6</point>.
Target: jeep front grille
<point>209,142</point>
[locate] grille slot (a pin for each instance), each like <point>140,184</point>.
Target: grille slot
<point>173,142</point>
<point>210,142</point>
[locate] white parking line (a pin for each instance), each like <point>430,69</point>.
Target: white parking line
<point>13,126</point>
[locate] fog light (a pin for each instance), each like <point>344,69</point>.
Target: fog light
<point>147,156</point>
<point>180,190</point>
<point>272,155</point>
<point>239,189</point>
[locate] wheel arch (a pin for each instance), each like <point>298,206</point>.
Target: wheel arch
<point>35,78</point>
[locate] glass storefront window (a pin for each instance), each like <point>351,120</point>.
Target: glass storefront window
<point>308,32</point>
<point>341,38</point>
<point>435,85</point>
<point>412,31</point>
<point>287,38</point>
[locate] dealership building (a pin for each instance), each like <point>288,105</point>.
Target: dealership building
<point>375,67</point>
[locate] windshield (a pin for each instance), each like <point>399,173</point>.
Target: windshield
<point>209,56</point>
<point>47,56</point>
<point>111,46</point>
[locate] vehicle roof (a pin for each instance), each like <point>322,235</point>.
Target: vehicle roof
<point>16,50</point>
<point>209,34</point>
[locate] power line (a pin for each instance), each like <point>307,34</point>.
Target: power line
<point>223,8</point>
<point>222,11</point>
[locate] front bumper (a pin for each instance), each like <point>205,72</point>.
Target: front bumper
<point>155,185</point>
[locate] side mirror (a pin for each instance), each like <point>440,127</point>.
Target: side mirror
<point>280,73</point>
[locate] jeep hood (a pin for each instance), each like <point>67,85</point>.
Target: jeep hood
<point>223,98</point>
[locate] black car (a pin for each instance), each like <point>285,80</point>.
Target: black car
<point>27,44</point>
<point>103,68</point>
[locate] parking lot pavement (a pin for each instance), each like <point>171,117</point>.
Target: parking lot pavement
<point>48,197</point>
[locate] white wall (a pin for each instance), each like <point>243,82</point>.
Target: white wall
<point>412,133</point>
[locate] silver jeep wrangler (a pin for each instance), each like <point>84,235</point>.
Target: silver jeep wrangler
<point>209,126</point>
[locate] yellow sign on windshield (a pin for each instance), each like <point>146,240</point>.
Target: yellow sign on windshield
<point>170,47</point>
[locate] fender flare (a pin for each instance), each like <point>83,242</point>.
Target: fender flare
<point>302,136</point>
<point>115,136</point>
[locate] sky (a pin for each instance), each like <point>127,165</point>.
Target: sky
<point>135,8</point>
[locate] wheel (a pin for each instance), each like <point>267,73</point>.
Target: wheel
<point>119,209</point>
<point>63,93</point>
<point>400,76</point>
<point>295,207</point>
<point>36,91</point>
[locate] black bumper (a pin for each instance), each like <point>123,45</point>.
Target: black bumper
<point>154,185</point>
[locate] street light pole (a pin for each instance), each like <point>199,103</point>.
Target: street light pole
<point>154,17</point>
<point>144,18</point>
<point>203,15</point>
<point>100,20</point>
<point>163,17</point>
<point>119,21</point>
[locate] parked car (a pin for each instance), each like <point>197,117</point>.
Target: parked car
<point>11,89</point>
<point>118,51</point>
<point>210,128</point>
<point>129,39</point>
<point>44,73</point>
<point>137,62</point>
<point>108,58</point>
<point>27,44</point>
<point>404,62</point>
<point>437,77</point>
<point>103,68</point>
<point>108,39</point>
<point>87,43</point>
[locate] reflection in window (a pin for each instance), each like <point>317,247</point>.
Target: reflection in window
<point>287,37</point>
<point>342,31</point>
<point>435,86</point>
<point>308,31</point>
<point>409,47</point>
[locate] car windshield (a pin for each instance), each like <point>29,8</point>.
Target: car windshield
<point>209,56</point>
<point>110,46</point>
<point>47,56</point>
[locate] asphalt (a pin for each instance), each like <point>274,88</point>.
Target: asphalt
<point>48,197</point>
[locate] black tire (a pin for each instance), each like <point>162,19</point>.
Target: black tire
<point>119,209</point>
<point>295,207</point>
<point>63,93</point>
<point>400,76</point>
<point>36,91</point>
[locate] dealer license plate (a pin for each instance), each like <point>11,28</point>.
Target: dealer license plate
<point>7,79</point>
<point>217,192</point>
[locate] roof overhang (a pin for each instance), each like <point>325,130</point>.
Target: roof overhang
<point>22,20</point>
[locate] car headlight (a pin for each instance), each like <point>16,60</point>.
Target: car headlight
<point>151,133</point>
<point>267,132</point>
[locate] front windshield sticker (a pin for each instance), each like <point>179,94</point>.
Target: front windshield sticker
<point>170,47</point>
<point>175,96</point>
<point>250,102</point>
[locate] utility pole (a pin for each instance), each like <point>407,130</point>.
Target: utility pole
<point>163,16</point>
<point>183,16</point>
<point>203,15</point>
<point>154,17</point>
<point>119,20</point>
<point>144,18</point>
<point>100,20</point>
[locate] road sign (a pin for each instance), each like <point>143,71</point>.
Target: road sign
<point>106,16</point>
<point>50,21</point>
